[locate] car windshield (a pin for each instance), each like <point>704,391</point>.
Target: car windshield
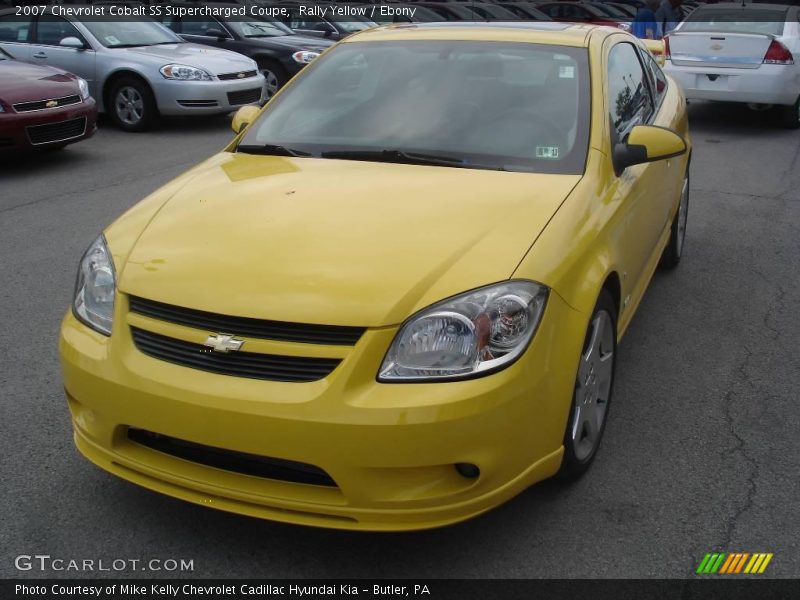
<point>127,34</point>
<point>736,20</point>
<point>469,104</point>
<point>353,26</point>
<point>259,29</point>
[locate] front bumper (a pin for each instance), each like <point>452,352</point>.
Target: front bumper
<point>768,84</point>
<point>390,448</point>
<point>207,97</point>
<point>15,135</point>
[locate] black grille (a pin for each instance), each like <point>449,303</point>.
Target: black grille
<point>244,75</point>
<point>57,132</point>
<point>198,103</point>
<point>245,96</point>
<point>256,328</point>
<point>230,460</point>
<point>253,365</point>
<point>42,104</point>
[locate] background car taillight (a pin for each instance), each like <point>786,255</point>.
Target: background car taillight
<point>778,54</point>
<point>667,54</point>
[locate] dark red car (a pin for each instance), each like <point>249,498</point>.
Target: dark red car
<point>42,107</point>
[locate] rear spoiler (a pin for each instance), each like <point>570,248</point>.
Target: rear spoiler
<point>656,48</point>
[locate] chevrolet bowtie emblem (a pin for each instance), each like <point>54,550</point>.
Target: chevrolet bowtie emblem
<point>716,47</point>
<point>222,342</point>
<point>51,103</point>
<point>240,75</point>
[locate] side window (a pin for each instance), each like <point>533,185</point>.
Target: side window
<point>199,26</point>
<point>658,81</point>
<point>14,28</point>
<point>51,30</point>
<point>629,101</point>
<point>552,10</point>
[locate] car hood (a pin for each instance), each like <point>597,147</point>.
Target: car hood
<point>335,242</point>
<point>213,60</point>
<point>21,82</point>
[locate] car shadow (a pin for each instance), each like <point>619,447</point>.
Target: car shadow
<point>727,117</point>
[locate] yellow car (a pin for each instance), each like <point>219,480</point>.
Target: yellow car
<point>394,300</point>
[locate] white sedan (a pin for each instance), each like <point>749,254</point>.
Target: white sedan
<point>740,53</point>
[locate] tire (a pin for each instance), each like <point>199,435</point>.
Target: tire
<point>674,248</point>
<point>131,104</point>
<point>789,116</point>
<point>275,76</point>
<point>594,386</point>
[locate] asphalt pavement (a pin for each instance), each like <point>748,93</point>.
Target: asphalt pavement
<point>701,450</point>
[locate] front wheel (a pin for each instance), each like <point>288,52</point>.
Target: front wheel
<point>275,77</point>
<point>674,248</point>
<point>594,385</point>
<point>133,107</point>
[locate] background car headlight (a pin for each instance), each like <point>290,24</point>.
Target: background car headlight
<point>83,85</point>
<point>474,333</point>
<point>2,110</point>
<point>304,56</point>
<point>184,73</point>
<point>94,290</point>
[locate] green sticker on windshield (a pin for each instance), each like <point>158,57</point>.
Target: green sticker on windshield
<point>548,152</point>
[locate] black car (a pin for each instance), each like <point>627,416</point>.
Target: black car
<point>322,26</point>
<point>279,51</point>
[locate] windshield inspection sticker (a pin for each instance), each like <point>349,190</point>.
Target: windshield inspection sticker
<point>548,152</point>
<point>566,72</point>
<point>112,40</point>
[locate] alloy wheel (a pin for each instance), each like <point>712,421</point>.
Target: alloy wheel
<point>593,388</point>
<point>272,82</point>
<point>129,105</point>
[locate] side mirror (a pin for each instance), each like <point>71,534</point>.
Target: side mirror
<point>216,33</point>
<point>243,117</point>
<point>646,143</point>
<point>72,42</point>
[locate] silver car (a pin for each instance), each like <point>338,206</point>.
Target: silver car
<point>136,69</point>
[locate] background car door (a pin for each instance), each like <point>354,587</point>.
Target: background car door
<point>45,49</point>
<point>15,35</point>
<point>640,188</point>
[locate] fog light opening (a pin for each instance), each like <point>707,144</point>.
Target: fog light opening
<point>468,470</point>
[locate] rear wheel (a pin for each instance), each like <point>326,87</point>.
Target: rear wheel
<point>594,385</point>
<point>790,115</point>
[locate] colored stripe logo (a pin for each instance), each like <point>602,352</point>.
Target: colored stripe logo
<point>734,563</point>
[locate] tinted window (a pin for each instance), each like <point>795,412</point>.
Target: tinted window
<point>517,106</point>
<point>51,30</point>
<point>658,81</point>
<point>14,29</point>
<point>628,96</point>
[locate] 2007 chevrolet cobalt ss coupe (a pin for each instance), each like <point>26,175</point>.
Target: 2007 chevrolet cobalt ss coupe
<point>393,301</point>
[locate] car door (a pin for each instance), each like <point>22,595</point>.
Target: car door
<point>640,189</point>
<point>15,36</point>
<point>49,31</point>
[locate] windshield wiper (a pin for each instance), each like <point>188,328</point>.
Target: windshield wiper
<point>270,150</point>
<point>397,156</point>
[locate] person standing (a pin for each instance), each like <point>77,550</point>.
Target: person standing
<point>645,26</point>
<point>668,15</point>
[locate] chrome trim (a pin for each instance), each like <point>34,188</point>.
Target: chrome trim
<point>25,112</point>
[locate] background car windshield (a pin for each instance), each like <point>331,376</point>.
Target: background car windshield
<point>120,34</point>
<point>512,106</point>
<point>353,26</point>
<point>736,20</point>
<point>255,29</point>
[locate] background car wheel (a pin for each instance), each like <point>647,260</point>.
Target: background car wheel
<point>131,104</point>
<point>674,249</point>
<point>790,115</point>
<point>594,384</point>
<point>275,77</point>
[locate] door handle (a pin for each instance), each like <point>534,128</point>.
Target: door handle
<point>40,55</point>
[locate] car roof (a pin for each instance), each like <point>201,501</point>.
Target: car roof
<point>539,32</point>
<point>750,6</point>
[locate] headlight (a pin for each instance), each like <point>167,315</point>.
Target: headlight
<point>184,73</point>
<point>471,334</point>
<point>94,289</point>
<point>304,56</point>
<point>83,85</point>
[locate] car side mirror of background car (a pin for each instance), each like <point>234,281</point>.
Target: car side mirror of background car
<point>217,33</point>
<point>72,42</point>
<point>243,117</point>
<point>646,143</point>
<point>325,28</point>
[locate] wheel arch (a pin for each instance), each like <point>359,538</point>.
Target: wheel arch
<point>115,76</point>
